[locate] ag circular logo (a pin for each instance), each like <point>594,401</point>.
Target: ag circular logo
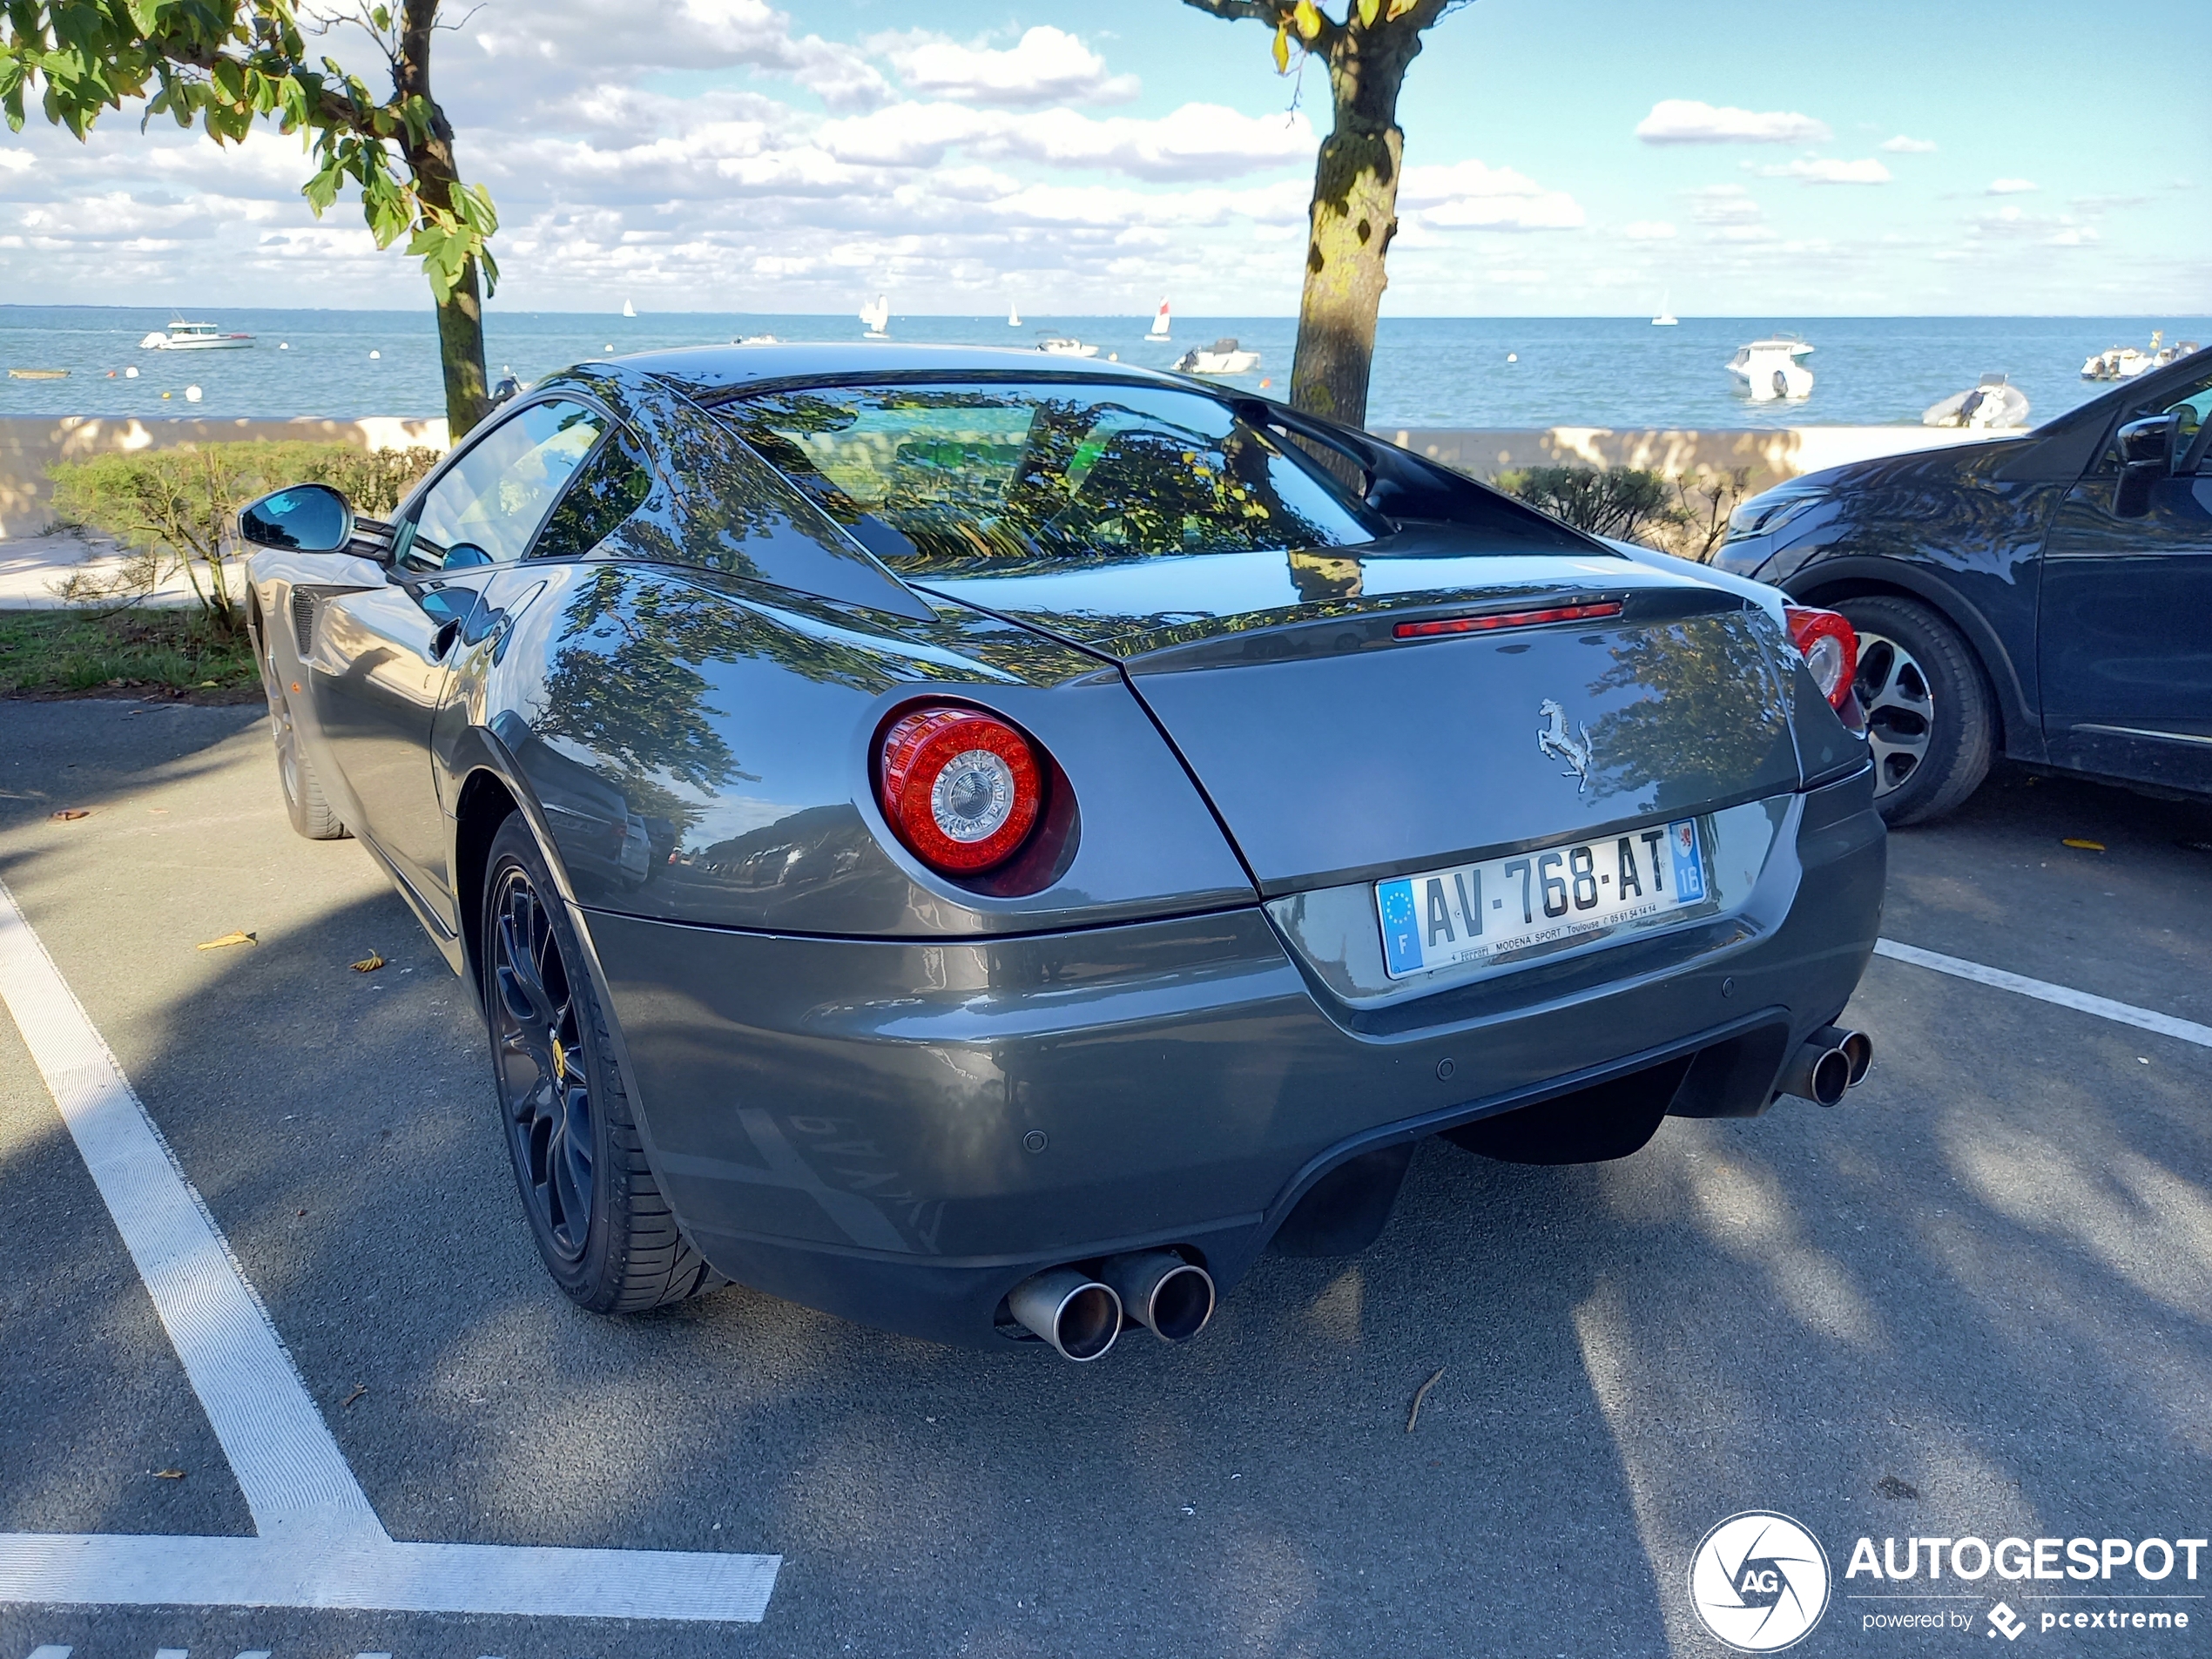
<point>1759,1581</point>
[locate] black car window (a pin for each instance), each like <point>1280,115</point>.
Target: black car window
<point>612,485</point>
<point>2192,400</point>
<point>489,503</point>
<point>980,479</point>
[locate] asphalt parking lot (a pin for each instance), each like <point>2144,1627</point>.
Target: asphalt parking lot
<point>1974,1299</point>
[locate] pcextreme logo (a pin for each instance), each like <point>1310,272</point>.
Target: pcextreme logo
<point>1759,1581</point>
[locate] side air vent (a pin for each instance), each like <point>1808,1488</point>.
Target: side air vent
<point>303,622</point>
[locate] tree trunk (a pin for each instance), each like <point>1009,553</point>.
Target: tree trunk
<point>1353,218</point>
<point>461,314</point>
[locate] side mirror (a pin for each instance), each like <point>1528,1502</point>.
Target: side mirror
<point>307,518</point>
<point>2147,455</point>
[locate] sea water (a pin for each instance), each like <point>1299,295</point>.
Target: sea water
<point>1497,372</point>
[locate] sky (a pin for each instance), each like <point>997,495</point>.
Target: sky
<point>1562,158</point>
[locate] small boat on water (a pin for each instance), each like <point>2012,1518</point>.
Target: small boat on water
<point>194,336</point>
<point>2125,363</point>
<point>1666,319</point>
<point>1060,348</point>
<point>37,373</point>
<point>629,310</point>
<point>1772,368</point>
<point>1224,356</point>
<point>754,340</point>
<point>877,314</point>
<point>1994,404</point>
<point>1159,329</point>
<point>1014,316</point>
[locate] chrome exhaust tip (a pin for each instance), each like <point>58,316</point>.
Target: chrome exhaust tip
<point>1070,1310</point>
<point>1856,1048</point>
<point>1819,1072</point>
<point>1170,1297</point>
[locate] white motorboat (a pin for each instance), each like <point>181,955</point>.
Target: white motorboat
<point>2125,363</point>
<point>877,315</point>
<point>1224,356</point>
<point>1059,348</point>
<point>194,336</point>
<point>1992,406</point>
<point>755,340</point>
<point>1014,316</point>
<point>1772,368</point>
<point>1159,329</point>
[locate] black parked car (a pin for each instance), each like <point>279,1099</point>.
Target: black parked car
<point>985,845</point>
<point>2046,597</point>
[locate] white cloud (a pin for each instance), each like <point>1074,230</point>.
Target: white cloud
<point>1472,195</point>
<point>1648,230</point>
<point>15,161</point>
<point>1046,66</point>
<point>1199,141</point>
<point>1826,170</point>
<point>2073,236</point>
<point>1723,205</point>
<point>1901,146</point>
<point>1677,120</point>
<point>2011,186</point>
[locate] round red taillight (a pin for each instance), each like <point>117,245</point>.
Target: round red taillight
<point>1830,648</point>
<point>963,787</point>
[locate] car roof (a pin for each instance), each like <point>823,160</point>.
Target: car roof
<point>709,371</point>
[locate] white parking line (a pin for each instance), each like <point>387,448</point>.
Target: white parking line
<point>2064,995</point>
<point>320,1543</point>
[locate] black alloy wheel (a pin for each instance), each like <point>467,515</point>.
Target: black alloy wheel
<point>1931,720</point>
<point>304,804</point>
<point>604,1232</point>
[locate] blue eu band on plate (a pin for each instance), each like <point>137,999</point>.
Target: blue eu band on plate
<point>1473,911</point>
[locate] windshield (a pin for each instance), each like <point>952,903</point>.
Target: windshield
<point>990,479</point>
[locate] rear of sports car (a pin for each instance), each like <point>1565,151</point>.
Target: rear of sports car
<point>1328,831</point>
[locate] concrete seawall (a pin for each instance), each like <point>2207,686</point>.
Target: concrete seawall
<point>29,446</point>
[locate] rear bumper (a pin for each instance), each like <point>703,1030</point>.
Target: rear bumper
<point>900,1132</point>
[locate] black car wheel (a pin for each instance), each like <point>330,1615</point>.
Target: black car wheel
<point>303,798</point>
<point>1930,717</point>
<point>606,1233</point>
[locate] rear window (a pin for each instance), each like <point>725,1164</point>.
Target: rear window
<point>978,479</point>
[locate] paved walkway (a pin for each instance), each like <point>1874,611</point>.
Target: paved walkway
<point>32,567</point>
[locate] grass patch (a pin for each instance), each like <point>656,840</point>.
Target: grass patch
<point>81,654</point>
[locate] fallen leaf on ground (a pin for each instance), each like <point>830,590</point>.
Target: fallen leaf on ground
<point>2086,847</point>
<point>1420,1394</point>
<point>67,813</point>
<point>368,964</point>
<point>233,938</point>
<point>168,1474</point>
<point>359,1390</point>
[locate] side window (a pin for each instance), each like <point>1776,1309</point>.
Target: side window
<point>493,499</point>
<point>2192,400</point>
<point>613,486</point>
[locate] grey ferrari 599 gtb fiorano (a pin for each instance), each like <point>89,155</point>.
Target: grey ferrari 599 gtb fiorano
<point>986,845</point>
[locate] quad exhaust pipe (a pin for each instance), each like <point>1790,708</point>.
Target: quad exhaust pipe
<point>1081,1315</point>
<point>1828,1062</point>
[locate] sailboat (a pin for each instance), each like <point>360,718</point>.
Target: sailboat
<point>1159,329</point>
<point>629,310</point>
<point>1014,316</point>
<point>1666,319</point>
<point>878,318</point>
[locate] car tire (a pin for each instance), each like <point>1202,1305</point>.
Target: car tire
<point>1931,719</point>
<point>310,813</point>
<point>604,1229</point>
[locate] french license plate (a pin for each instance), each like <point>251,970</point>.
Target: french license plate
<point>1472,912</point>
